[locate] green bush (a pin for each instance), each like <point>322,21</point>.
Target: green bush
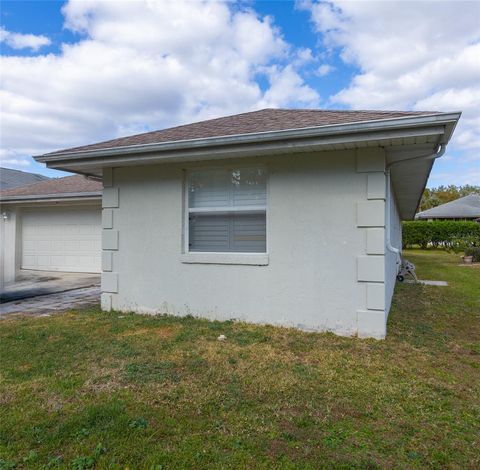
<point>451,235</point>
<point>475,252</point>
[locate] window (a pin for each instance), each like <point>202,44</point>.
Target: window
<point>227,210</point>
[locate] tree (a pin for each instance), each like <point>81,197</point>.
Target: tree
<point>433,197</point>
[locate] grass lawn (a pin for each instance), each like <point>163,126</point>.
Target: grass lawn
<point>90,389</point>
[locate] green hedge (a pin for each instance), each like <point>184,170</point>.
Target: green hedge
<point>446,234</point>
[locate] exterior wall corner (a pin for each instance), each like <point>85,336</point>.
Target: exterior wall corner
<point>110,239</point>
<point>106,302</point>
<point>371,272</point>
<point>371,324</point>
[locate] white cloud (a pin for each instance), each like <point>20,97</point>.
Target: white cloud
<point>411,55</point>
<point>23,41</point>
<point>303,56</point>
<point>14,162</point>
<point>286,87</point>
<point>146,65</point>
<point>324,70</point>
<point>460,177</point>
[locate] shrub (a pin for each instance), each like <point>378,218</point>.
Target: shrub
<point>451,235</point>
<point>458,244</point>
<point>473,251</point>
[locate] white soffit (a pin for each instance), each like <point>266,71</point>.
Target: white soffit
<point>410,176</point>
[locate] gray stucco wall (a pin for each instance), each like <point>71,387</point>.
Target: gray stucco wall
<point>325,243</point>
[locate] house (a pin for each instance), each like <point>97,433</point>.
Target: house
<point>287,217</point>
<point>52,225</point>
<point>13,178</point>
<point>464,208</point>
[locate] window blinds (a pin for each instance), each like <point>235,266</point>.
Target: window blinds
<point>227,210</point>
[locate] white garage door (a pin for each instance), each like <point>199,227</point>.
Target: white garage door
<point>62,240</point>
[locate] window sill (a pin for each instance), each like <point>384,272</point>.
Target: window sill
<point>252,259</point>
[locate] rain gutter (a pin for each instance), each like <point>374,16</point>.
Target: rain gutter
<point>50,197</point>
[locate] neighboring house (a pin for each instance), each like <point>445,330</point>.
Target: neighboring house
<point>53,225</point>
<point>464,208</point>
<point>287,217</point>
<point>14,178</point>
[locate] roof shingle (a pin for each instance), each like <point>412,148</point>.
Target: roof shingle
<point>61,186</point>
<point>264,120</point>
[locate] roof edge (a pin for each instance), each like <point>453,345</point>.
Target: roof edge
<point>47,197</point>
<point>361,126</point>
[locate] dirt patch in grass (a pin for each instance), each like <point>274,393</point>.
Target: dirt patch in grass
<point>160,332</point>
<point>103,379</point>
<point>278,448</point>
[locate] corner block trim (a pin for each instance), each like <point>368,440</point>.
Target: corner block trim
<point>109,239</point>
<point>109,282</point>
<point>110,197</point>
<point>376,186</point>
<point>371,268</point>
<point>371,213</point>
<point>107,177</point>
<point>375,241</point>
<point>375,296</point>
<point>106,302</point>
<point>371,324</point>
<point>107,260</point>
<point>107,218</point>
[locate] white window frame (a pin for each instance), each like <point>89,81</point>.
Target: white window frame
<point>224,257</point>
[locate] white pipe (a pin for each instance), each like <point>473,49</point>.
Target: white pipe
<point>439,153</point>
<point>390,248</point>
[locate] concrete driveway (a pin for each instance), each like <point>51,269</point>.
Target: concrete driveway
<point>34,283</point>
<point>46,305</point>
<point>40,292</point>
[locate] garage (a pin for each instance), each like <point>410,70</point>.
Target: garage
<point>58,239</point>
<point>52,225</point>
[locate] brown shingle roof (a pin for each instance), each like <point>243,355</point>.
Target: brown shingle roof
<point>60,186</point>
<point>249,123</point>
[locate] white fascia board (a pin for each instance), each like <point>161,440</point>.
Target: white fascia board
<point>91,196</point>
<point>383,125</point>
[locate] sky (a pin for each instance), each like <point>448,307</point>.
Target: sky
<point>81,71</point>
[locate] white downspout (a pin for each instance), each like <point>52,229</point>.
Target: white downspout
<point>389,245</point>
<point>2,252</point>
<point>439,153</point>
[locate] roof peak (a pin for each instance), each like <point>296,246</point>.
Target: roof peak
<point>322,110</point>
